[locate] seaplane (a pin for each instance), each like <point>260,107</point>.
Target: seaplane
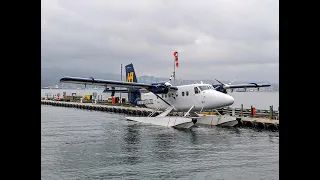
<point>163,96</point>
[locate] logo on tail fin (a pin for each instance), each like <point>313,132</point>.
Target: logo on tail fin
<point>130,77</point>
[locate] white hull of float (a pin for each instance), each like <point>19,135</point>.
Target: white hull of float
<point>178,122</point>
<point>217,120</point>
<point>168,121</point>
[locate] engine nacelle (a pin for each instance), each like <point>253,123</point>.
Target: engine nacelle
<point>159,88</point>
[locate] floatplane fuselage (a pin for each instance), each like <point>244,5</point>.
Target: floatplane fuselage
<point>202,96</point>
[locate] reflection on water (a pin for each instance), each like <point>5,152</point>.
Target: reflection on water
<point>163,145</point>
<point>131,136</point>
<point>132,144</point>
<point>237,131</point>
<point>193,137</point>
<point>274,138</point>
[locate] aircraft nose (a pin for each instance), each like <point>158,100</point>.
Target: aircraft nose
<point>229,100</point>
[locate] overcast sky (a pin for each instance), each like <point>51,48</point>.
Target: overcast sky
<point>223,39</point>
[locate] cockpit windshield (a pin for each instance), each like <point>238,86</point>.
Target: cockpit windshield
<point>203,88</point>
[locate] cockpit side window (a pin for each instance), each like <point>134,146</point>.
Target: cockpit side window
<point>196,90</point>
<point>203,88</point>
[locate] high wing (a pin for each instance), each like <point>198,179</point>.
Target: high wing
<point>102,82</point>
<point>249,85</point>
<point>223,87</point>
<point>112,83</point>
<point>233,86</point>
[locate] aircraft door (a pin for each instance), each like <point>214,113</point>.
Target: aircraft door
<point>203,98</point>
<point>158,100</point>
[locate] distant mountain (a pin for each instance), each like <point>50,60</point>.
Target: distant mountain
<point>51,76</point>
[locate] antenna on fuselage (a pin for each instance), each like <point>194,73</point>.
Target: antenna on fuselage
<point>169,82</point>
<point>172,75</point>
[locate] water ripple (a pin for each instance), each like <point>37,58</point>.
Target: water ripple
<point>79,144</point>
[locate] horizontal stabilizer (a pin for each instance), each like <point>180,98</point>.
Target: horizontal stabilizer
<point>116,91</point>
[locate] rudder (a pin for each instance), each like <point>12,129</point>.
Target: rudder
<point>134,94</point>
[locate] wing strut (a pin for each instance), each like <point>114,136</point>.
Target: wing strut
<point>165,101</point>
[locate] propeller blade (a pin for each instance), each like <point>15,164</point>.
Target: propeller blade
<point>232,81</point>
<point>219,81</point>
<point>172,75</point>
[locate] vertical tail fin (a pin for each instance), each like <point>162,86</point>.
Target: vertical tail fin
<point>130,73</point>
<point>134,94</point>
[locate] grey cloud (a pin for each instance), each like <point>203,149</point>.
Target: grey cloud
<point>99,35</point>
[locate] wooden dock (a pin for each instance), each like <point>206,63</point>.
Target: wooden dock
<point>244,118</point>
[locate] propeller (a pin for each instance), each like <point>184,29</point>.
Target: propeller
<point>231,81</point>
<point>224,86</point>
<point>168,83</point>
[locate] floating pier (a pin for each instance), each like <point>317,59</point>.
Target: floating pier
<point>245,117</point>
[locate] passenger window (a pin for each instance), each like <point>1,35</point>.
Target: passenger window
<point>162,95</point>
<point>169,95</point>
<point>196,90</point>
<point>182,93</point>
<point>165,95</point>
<point>177,95</point>
<point>187,93</point>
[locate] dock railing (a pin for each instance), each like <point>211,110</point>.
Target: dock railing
<point>252,112</point>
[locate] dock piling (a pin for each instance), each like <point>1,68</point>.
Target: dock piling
<point>271,112</point>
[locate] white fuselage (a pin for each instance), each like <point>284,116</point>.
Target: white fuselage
<point>202,96</point>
